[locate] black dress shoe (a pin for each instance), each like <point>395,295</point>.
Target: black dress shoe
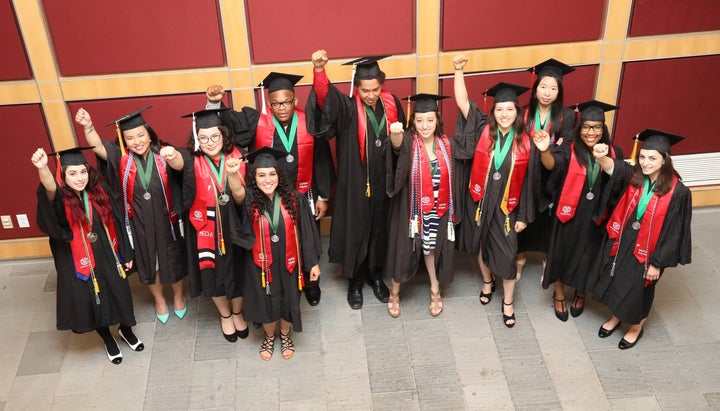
<point>381,291</point>
<point>603,333</point>
<point>576,311</point>
<point>561,315</point>
<point>312,294</point>
<point>624,344</point>
<point>355,296</point>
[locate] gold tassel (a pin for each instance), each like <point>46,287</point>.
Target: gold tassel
<point>507,224</point>
<point>262,278</point>
<point>222,246</point>
<point>367,189</point>
<point>634,150</point>
<point>120,139</point>
<point>477,213</point>
<point>95,285</point>
<point>121,270</point>
<point>408,114</point>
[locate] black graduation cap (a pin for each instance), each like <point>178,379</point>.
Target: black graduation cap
<point>265,157</point>
<point>551,68</point>
<point>504,92</point>
<point>130,121</point>
<point>367,67</point>
<point>594,110</point>
<point>72,156</point>
<point>424,102</point>
<point>280,81</point>
<point>206,118</point>
<point>658,140</point>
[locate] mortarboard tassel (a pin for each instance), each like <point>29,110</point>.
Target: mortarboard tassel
<point>485,102</point>
<point>408,114</point>
<point>577,113</point>
<point>58,169</point>
<point>634,151</point>
<point>120,137</point>
<point>195,137</point>
<point>532,77</point>
<point>262,98</point>
<point>352,78</point>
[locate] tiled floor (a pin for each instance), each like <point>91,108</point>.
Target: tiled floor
<point>363,360</point>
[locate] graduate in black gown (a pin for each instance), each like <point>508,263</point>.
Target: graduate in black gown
<point>360,123</point>
<point>280,231</point>
<point>89,253</point>
<point>582,195</point>
<point>150,196</point>
<point>282,125</point>
<point>421,189</point>
<point>215,263</point>
<point>647,232</point>
<point>545,115</point>
<point>504,172</point>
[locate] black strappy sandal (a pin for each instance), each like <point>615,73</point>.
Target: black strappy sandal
<point>508,318</point>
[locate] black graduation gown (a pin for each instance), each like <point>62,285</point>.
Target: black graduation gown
<point>405,253</point>
<point>284,299</point>
<point>244,126</point>
<point>226,278</point>
<point>625,293</point>
<point>499,248</point>
<point>155,247</point>
<point>359,225</point>
<point>76,307</point>
<point>574,246</point>
<point>536,237</point>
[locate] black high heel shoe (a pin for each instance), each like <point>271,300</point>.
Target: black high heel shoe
<point>490,294</point>
<point>114,358</point>
<point>242,334</point>
<point>229,337</point>
<point>508,318</point>
<point>130,339</point>
<point>576,311</point>
<point>561,315</point>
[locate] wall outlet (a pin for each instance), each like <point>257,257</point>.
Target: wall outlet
<point>6,222</point>
<point>22,220</point>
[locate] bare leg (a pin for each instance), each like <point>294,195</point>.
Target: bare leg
<point>488,285</point>
<point>633,332</point>
<point>520,261</point>
<point>436,303</point>
<point>268,345</point>
<point>178,299</point>
<point>559,303</point>
<point>611,323</point>
<point>157,293</point>
<point>287,347</point>
<point>393,305</point>
<point>223,308</point>
<point>237,311</point>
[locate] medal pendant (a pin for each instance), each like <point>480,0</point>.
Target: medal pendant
<point>636,225</point>
<point>289,158</point>
<point>378,143</point>
<point>589,196</point>
<point>92,236</point>
<point>147,196</point>
<point>223,199</point>
<point>274,238</point>
<point>496,176</point>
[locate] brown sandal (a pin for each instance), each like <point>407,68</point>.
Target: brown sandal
<point>393,305</point>
<point>436,303</point>
<point>287,347</point>
<point>267,348</point>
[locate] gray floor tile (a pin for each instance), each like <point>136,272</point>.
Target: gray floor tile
<point>675,389</point>
<point>390,369</point>
<point>396,401</point>
<point>39,343</point>
<point>619,374</point>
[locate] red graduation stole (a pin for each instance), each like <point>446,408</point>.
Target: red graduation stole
<point>649,233</point>
<point>481,169</point>
<point>262,248</point>
<point>572,188</point>
<point>204,208</point>
<point>82,259</point>
<point>391,116</point>
<point>128,170</point>
<point>305,144</point>
<point>426,185</point>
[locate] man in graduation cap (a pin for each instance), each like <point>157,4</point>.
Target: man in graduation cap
<point>358,237</point>
<point>647,232</point>
<point>308,162</point>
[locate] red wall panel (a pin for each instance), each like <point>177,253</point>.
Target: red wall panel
<point>291,30</point>
<point>20,181</point>
<point>14,61</point>
<point>105,37</point>
<point>652,17</point>
<point>473,24</point>
<point>163,117</point>
<point>579,86</point>
<point>666,95</point>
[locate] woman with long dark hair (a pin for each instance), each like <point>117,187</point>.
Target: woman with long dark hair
<point>422,213</point>
<point>582,192</point>
<point>647,232</point>
<point>279,230</point>
<point>150,195</point>
<point>215,263</point>
<point>89,250</point>
<point>505,166</point>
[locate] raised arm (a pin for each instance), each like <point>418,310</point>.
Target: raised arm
<point>461,95</point>
<point>396,134</point>
<point>600,152</point>
<point>40,160</point>
<point>82,117</point>
<point>172,157</point>
<point>235,180</point>
<point>320,80</point>
<point>214,94</point>
<point>542,142</point>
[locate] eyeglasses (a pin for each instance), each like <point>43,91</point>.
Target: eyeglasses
<point>214,138</point>
<point>596,128</point>
<point>284,104</point>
